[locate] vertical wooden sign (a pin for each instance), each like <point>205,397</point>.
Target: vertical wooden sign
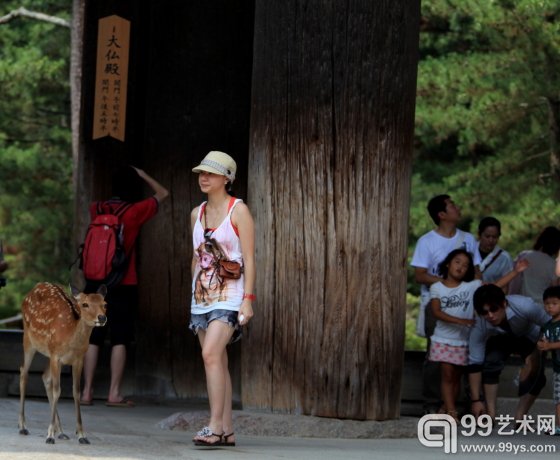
<point>111,77</point>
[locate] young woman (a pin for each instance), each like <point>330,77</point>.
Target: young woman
<point>496,262</point>
<point>222,230</point>
<point>453,309</point>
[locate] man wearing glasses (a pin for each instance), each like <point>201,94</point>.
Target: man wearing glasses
<point>505,325</point>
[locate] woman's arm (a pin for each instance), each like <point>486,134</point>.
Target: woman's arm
<point>242,219</point>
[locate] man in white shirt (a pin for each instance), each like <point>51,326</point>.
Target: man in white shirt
<point>431,249</point>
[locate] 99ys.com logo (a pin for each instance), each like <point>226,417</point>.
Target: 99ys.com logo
<point>438,430</point>
<point>441,431</point>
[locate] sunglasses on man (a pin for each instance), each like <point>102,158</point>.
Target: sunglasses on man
<point>491,309</point>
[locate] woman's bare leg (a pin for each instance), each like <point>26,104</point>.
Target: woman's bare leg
<point>218,382</point>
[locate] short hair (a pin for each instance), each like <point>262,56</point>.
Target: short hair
<point>488,294</point>
<point>127,184</point>
<point>551,291</point>
<point>443,268</point>
<point>548,241</point>
<point>489,222</point>
<point>436,205</point>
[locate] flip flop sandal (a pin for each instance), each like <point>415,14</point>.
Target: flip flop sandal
<point>226,442</point>
<point>122,403</point>
<point>207,433</point>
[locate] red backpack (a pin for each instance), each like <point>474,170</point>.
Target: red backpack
<point>103,257</point>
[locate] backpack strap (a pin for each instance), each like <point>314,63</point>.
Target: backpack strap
<point>119,210</point>
<point>123,207</point>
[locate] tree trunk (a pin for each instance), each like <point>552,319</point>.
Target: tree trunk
<point>81,179</point>
<point>329,182</point>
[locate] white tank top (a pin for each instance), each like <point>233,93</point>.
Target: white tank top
<point>210,292</point>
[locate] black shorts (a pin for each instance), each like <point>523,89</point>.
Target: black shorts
<point>498,350</point>
<point>122,302</point>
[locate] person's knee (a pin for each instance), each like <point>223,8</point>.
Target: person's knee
<point>211,356</point>
<point>491,376</point>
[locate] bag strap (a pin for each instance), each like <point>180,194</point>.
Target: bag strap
<point>492,260</point>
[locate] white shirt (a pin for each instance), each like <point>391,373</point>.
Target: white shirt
<point>432,249</point>
<point>458,302</point>
<point>209,291</point>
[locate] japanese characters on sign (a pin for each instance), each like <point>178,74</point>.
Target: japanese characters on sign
<point>111,77</point>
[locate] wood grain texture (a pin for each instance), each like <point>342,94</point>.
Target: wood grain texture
<point>330,159</point>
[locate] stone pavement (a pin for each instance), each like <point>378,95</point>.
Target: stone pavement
<point>160,431</point>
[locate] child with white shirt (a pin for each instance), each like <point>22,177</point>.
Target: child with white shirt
<point>451,303</point>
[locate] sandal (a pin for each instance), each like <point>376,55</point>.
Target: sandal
<point>207,433</point>
<point>226,442</point>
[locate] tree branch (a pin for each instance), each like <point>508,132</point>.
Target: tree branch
<point>34,15</point>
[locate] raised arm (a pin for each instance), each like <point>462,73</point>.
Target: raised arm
<point>160,192</point>
<point>520,266</point>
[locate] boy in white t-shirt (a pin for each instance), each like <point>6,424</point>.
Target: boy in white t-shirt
<point>431,249</point>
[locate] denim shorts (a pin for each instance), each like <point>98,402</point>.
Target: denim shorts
<point>225,316</point>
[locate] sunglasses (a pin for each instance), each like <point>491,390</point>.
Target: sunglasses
<point>491,309</point>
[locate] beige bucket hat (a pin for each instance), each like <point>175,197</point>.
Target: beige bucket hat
<point>218,163</point>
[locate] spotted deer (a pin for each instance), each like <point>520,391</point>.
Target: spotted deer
<point>58,326</point>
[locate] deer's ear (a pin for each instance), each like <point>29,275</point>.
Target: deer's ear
<point>102,290</point>
<point>75,291</point>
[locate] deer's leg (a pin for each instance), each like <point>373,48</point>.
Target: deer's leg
<point>76,375</point>
<point>52,384</point>
<point>48,382</point>
<point>28,354</point>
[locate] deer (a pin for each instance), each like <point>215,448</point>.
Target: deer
<point>58,326</point>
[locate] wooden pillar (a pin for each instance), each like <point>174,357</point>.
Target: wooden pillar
<point>329,167</point>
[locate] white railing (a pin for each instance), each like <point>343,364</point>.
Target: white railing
<point>11,319</point>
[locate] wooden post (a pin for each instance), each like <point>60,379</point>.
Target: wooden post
<point>329,179</point>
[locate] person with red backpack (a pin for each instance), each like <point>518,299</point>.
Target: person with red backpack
<point>109,257</point>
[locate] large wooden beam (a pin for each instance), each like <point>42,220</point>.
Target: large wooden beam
<point>330,161</point>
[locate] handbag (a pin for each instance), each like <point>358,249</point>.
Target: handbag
<point>229,269</point>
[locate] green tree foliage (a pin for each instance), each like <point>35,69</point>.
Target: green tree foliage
<point>35,149</point>
<point>488,78</point>
<point>488,75</point>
